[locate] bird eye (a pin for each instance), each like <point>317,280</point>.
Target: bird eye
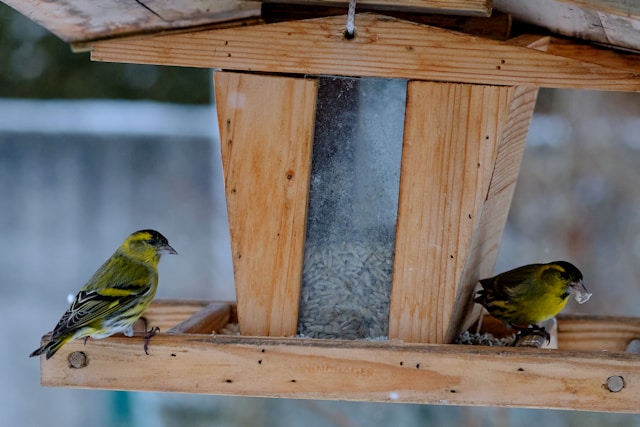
<point>152,241</point>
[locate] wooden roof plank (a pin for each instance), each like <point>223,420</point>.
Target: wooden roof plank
<point>383,47</point>
<point>445,7</point>
<point>610,22</point>
<point>82,20</point>
<point>587,52</point>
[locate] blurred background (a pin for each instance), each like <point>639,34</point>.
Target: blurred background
<point>90,152</point>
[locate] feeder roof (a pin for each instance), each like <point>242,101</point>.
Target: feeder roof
<point>613,23</point>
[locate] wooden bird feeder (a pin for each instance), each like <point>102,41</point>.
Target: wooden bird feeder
<point>470,92</point>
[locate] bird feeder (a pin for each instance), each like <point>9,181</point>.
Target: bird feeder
<point>469,92</point>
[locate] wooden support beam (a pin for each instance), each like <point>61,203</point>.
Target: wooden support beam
<point>444,7</point>
<point>449,156</point>
<point>368,371</point>
<point>383,47</point>
<point>266,133</point>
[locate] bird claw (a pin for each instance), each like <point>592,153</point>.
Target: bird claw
<point>147,336</point>
<point>534,330</point>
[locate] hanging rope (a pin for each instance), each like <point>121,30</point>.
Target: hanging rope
<point>351,20</point>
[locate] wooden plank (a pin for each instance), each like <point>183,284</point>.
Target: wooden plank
<point>266,132</point>
<point>210,319</point>
<point>595,54</point>
<point>610,22</point>
<point>352,370</point>
<point>497,26</point>
<point>83,20</point>
<point>629,8</point>
<point>450,145</point>
<point>445,7</point>
<point>605,333</point>
<point>486,240</point>
<point>165,314</point>
<point>383,47</point>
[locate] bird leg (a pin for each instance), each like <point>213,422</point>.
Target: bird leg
<point>148,333</point>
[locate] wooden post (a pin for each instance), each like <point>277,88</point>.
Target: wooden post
<point>266,131</point>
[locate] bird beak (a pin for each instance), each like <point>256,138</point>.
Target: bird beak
<point>167,249</point>
<point>579,291</point>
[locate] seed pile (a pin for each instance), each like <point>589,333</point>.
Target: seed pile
<point>346,288</point>
<point>468,338</point>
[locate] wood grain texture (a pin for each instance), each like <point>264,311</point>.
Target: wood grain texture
<point>605,333</point>
<point>497,26</point>
<point>450,144</point>
<point>83,20</point>
<point>445,7</point>
<point>610,22</point>
<point>383,47</point>
<point>488,234</point>
<point>209,319</point>
<point>353,370</point>
<point>166,314</point>
<point>595,54</point>
<point>266,132</point>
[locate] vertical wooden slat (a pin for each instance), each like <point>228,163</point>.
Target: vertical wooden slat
<point>266,131</point>
<point>486,239</point>
<point>449,153</point>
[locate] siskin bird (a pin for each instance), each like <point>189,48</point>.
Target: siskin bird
<point>524,297</point>
<point>116,295</point>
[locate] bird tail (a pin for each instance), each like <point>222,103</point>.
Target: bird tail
<point>50,348</point>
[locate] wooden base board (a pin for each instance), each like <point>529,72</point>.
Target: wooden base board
<point>391,371</point>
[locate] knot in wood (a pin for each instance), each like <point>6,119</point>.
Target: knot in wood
<point>78,359</point>
<point>615,383</point>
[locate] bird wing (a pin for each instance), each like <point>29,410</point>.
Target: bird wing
<point>90,305</point>
<point>511,283</point>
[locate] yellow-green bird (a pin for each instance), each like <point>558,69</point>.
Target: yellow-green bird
<point>524,297</point>
<point>116,295</point>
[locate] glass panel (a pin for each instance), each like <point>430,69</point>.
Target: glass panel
<point>353,204</point>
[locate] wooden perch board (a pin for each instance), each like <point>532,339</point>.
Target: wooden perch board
<point>391,371</point>
<point>383,47</point>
